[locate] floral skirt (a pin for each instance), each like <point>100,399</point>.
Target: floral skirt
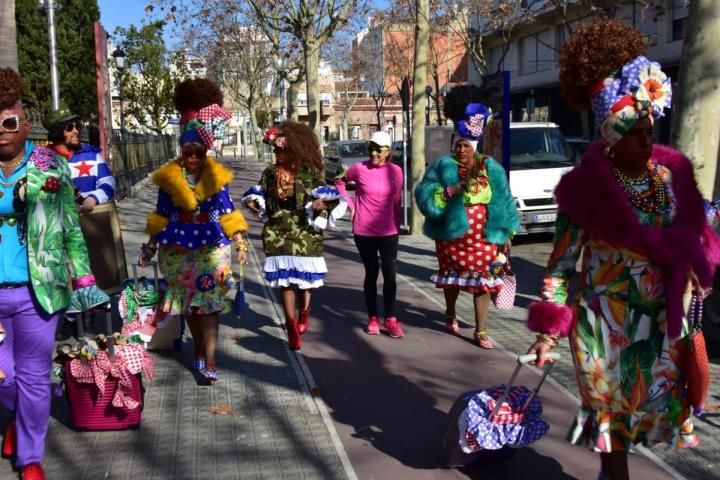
<point>630,382</point>
<point>466,261</point>
<point>197,279</point>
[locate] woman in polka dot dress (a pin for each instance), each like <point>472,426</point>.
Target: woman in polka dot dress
<point>470,213</point>
<point>194,224</point>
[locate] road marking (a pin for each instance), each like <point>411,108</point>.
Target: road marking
<point>297,361</point>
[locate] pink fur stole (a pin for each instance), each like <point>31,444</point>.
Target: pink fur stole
<point>593,199</point>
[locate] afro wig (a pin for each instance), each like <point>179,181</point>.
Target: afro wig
<point>593,52</point>
<point>11,88</point>
<point>457,99</point>
<point>196,93</point>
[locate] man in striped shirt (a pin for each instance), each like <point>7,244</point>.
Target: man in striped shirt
<point>93,180</point>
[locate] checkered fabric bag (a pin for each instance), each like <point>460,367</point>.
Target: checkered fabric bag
<point>505,298</point>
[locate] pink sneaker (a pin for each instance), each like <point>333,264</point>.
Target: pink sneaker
<point>373,327</point>
<point>393,327</point>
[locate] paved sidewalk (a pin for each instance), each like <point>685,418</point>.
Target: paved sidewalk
<point>416,262</point>
<point>277,431</point>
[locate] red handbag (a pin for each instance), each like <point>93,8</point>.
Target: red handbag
<point>695,364</point>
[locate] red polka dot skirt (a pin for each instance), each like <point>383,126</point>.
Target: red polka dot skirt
<point>465,261</point>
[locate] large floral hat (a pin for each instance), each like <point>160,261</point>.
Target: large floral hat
<point>203,119</point>
<point>639,89</point>
<point>464,105</point>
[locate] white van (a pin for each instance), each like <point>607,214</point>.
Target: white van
<point>539,156</point>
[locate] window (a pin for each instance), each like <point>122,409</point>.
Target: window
<point>536,52</point>
<point>679,19</point>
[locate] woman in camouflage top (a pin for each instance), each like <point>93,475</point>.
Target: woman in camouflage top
<point>293,247</point>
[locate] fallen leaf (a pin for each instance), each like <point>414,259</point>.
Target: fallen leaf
<point>712,408</point>
<point>237,337</point>
<point>316,392</point>
<point>222,410</point>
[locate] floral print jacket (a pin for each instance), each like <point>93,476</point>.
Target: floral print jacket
<point>55,241</point>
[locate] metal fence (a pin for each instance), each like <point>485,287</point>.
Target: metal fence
<point>132,156</point>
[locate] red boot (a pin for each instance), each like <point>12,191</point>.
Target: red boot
<point>293,335</point>
<point>9,442</point>
<point>32,472</point>
<point>303,320</point>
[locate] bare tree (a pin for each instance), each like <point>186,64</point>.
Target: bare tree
<point>312,22</point>
<point>350,62</point>
<point>699,97</point>
<point>422,37</point>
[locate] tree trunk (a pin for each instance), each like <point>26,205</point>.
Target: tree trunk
<point>422,37</point>
<point>8,35</point>
<point>292,96</point>
<point>255,138</point>
<point>698,101</point>
<point>311,52</point>
<point>344,135</point>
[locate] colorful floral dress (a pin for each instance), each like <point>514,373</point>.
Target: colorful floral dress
<point>465,261</point>
<point>626,366</point>
<point>193,224</point>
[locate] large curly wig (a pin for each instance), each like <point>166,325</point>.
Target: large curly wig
<point>196,93</point>
<point>302,147</point>
<point>592,53</point>
<point>457,99</point>
<point>11,87</point>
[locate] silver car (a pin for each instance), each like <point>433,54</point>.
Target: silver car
<point>339,156</point>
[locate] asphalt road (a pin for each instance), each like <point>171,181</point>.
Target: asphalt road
<point>388,398</point>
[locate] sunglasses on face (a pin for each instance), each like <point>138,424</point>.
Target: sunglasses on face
<point>11,123</point>
<point>69,127</point>
<point>374,147</point>
<point>193,150</point>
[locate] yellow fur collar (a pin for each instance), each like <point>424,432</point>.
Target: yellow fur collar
<point>170,178</point>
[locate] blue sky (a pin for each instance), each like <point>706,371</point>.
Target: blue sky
<point>122,13</point>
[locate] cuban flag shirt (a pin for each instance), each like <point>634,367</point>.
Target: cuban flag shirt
<point>91,175</point>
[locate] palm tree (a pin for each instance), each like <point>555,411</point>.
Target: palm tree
<point>8,35</point>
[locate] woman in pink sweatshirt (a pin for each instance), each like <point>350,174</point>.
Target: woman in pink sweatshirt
<point>375,215</point>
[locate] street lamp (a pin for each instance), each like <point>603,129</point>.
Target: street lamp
<point>281,66</point>
<point>428,96</point>
<point>49,5</point>
<point>119,57</point>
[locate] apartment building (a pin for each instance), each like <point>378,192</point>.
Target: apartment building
<point>531,56</point>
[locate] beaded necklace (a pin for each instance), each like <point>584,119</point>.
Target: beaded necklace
<point>191,181</point>
<point>652,200</point>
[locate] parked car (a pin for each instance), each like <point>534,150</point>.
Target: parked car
<point>539,156</point>
<point>339,156</point>
<point>578,145</point>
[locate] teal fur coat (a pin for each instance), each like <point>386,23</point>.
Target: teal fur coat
<point>451,222</point>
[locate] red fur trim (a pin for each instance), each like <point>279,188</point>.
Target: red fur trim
<point>593,199</point>
<point>549,317</point>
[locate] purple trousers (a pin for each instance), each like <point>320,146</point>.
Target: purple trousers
<point>26,360</point>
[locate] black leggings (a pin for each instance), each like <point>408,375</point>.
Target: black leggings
<point>369,248</point>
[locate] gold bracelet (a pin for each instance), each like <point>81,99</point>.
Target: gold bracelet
<point>548,339</point>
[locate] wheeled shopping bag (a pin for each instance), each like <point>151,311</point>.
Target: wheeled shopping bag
<point>489,425</point>
<point>104,386</point>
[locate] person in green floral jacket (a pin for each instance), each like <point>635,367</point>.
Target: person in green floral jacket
<point>40,238</point>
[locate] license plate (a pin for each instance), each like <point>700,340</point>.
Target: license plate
<point>545,217</point>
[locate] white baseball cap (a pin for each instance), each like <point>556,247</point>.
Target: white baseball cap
<point>381,139</point>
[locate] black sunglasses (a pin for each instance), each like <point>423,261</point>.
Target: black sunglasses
<point>374,147</point>
<point>70,126</point>
<point>11,123</point>
<point>190,150</point>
